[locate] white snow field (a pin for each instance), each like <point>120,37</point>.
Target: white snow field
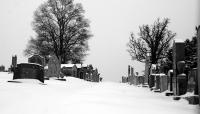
<point>76,96</point>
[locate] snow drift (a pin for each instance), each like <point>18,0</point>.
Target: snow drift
<point>75,96</point>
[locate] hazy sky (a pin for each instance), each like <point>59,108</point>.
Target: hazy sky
<point>112,21</point>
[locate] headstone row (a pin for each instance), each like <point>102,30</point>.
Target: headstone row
<point>177,82</point>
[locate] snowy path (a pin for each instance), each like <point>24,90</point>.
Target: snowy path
<point>77,96</point>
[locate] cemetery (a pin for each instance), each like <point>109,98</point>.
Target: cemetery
<point>100,57</point>
<point>175,82</point>
<point>37,68</point>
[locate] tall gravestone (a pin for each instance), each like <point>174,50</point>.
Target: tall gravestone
<point>152,76</point>
<point>163,82</point>
<point>14,63</point>
<point>95,76</point>
<point>54,67</point>
<point>146,70</point>
<point>129,70</point>
<point>132,71</point>
<point>37,59</point>
<point>179,80</point>
<point>74,71</point>
<point>130,77</point>
<point>170,76</point>
<point>192,81</point>
<point>198,60</point>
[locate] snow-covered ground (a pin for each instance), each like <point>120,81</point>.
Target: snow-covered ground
<point>76,96</point>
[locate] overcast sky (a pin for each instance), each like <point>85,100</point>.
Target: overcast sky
<point>112,21</point>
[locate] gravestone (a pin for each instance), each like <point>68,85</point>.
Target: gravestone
<point>130,76</point>
<point>81,71</point>
<point>132,71</point>
<point>100,79</point>
<point>170,75</point>
<point>192,81</point>
<point>146,70</point>
<point>29,71</point>
<point>151,80</point>
<point>54,67</point>
<point>198,60</point>
<point>129,70</point>
<point>37,59</point>
<point>140,79</point>
<point>95,76</point>
<point>74,71</point>
<point>157,81</point>
<point>124,79</point>
<point>179,80</point>
<point>131,80</point>
<point>163,82</point>
<point>14,63</point>
<point>70,70</point>
<point>152,76</point>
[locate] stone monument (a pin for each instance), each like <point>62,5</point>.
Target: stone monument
<point>14,63</point>
<point>179,79</point>
<point>170,76</point>
<point>146,70</point>
<point>192,81</point>
<point>54,66</point>
<point>198,60</point>
<point>29,71</point>
<point>37,59</point>
<point>163,82</point>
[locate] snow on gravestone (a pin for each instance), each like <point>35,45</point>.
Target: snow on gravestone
<point>198,59</point>
<point>29,71</point>
<point>53,67</point>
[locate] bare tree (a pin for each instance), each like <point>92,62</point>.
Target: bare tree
<point>153,41</point>
<point>62,29</point>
